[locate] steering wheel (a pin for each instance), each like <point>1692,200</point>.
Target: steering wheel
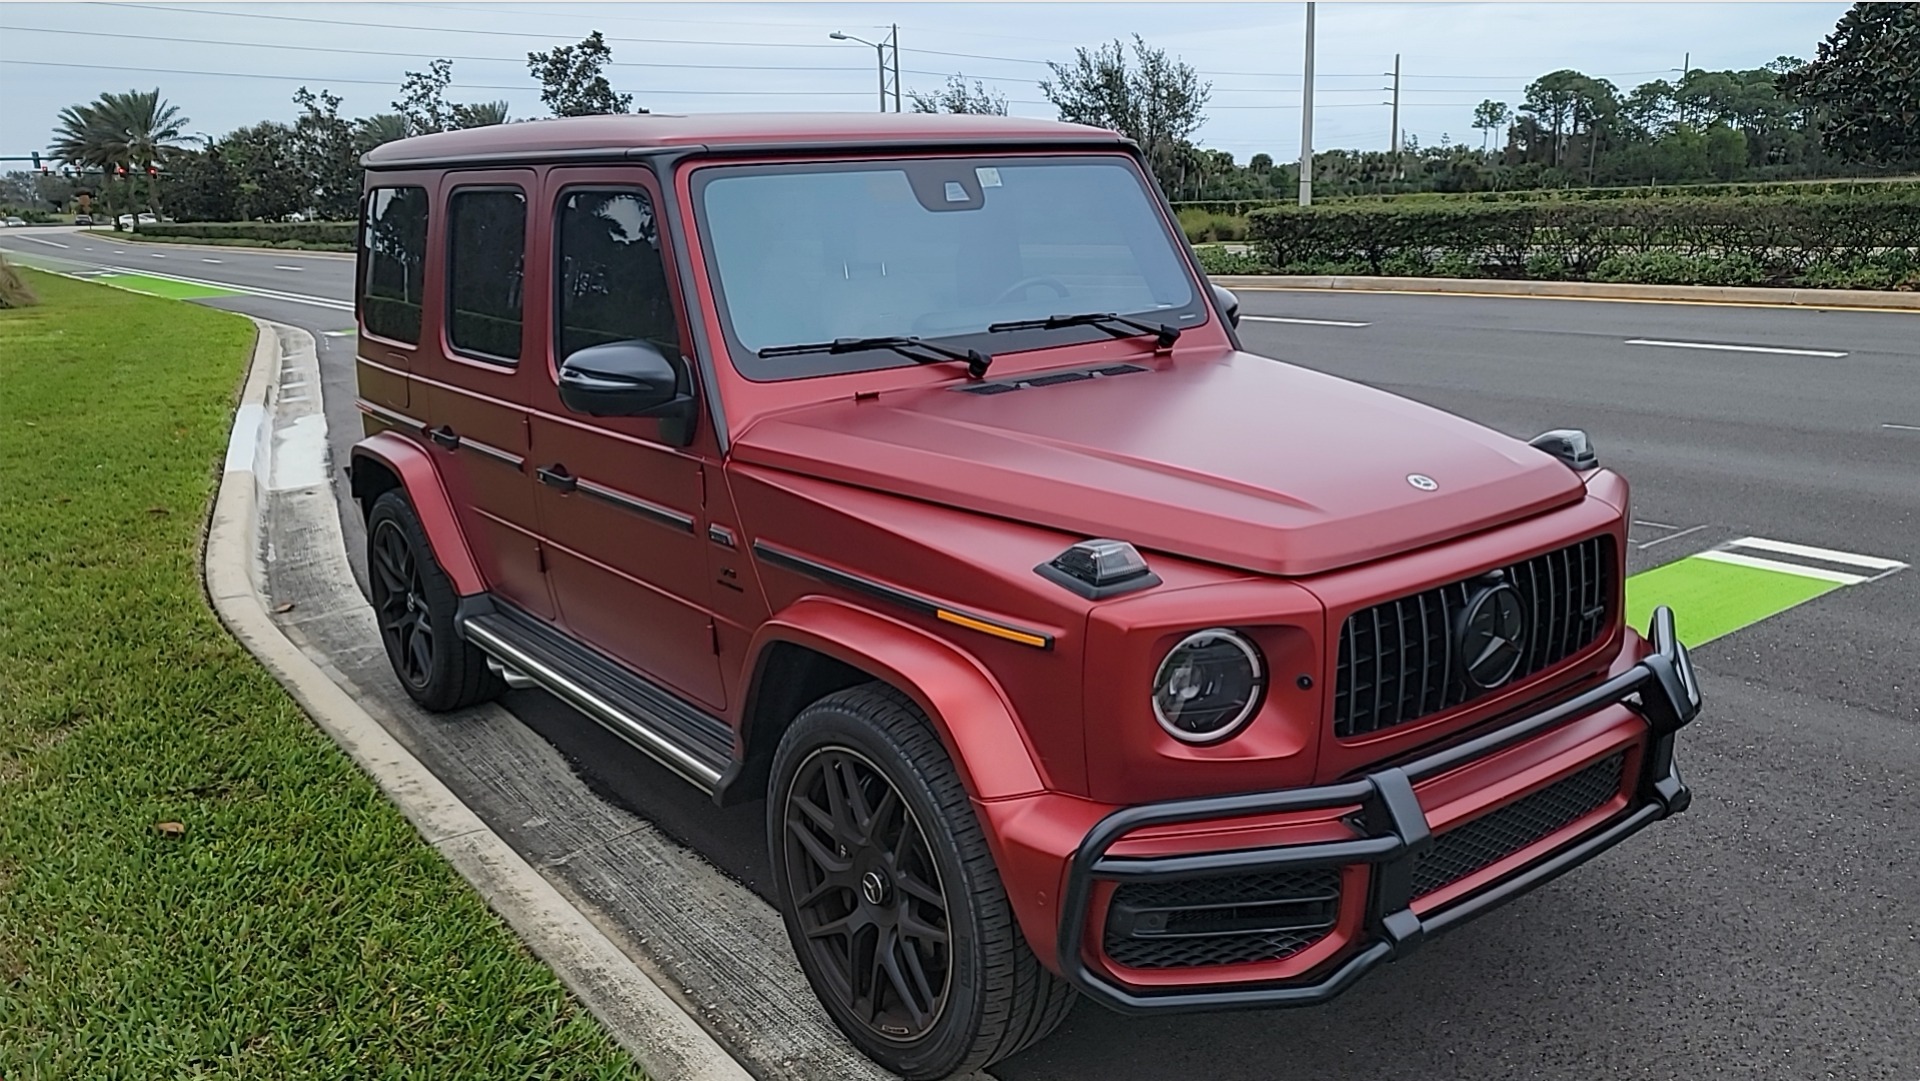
<point>1018,290</point>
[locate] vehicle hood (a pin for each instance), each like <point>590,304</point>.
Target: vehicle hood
<point>1233,459</point>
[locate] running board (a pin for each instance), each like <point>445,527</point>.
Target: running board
<point>684,738</point>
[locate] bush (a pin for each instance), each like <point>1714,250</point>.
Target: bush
<point>1718,240</point>
<point>1202,225</point>
<point>1221,261</point>
<point>14,290</point>
<point>267,232</point>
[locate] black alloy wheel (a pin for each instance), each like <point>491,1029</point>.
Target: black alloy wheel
<point>868,895</point>
<point>400,602</point>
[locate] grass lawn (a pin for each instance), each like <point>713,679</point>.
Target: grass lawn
<point>194,882</point>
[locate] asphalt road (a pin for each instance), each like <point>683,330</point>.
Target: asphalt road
<point>1771,932</point>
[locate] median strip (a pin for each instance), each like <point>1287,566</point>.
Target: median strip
<point>1744,581</point>
<point>1727,348</point>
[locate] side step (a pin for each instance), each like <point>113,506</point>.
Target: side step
<point>684,738</point>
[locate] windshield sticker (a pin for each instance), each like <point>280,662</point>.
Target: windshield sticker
<point>989,178</point>
<point>956,193</point>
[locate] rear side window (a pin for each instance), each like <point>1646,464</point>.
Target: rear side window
<point>393,262</point>
<point>612,281</point>
<point>486,246</point>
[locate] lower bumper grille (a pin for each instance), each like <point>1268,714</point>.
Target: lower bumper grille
<point>1500,833</point>
<point>1221,921</point>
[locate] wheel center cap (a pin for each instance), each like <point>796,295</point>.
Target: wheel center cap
<point>873,887</point>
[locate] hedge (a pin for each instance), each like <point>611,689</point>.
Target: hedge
<point>311,232</point>
<point>1819,240</point>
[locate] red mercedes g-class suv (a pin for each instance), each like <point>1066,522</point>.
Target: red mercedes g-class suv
<point>907,471</point>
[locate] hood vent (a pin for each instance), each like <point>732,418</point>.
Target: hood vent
<point>1077,376</point>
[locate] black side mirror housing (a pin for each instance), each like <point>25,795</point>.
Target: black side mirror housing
<point>622,379</point>
<point>1228,304</point>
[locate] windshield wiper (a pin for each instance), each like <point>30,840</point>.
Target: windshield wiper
<point>1165,334</point>
<point>915,349</point>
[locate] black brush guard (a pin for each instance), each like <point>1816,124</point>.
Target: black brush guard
<point>1662,688</point>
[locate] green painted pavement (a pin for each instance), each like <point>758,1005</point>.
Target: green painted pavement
<point>1711,599</point>
<point>161,287</point>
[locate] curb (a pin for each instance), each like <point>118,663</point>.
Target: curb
<point>1732,296</point>
<point>135,238</point>
<point>642,1015</point>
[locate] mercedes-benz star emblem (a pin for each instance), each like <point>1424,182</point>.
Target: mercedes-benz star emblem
<point>1492,636</point>
<point>874,888</point>
<point>1422,482</point>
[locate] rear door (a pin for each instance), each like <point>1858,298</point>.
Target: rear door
<point>473,378</point>
<point>621,498</point>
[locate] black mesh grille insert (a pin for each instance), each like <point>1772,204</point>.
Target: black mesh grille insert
<point>1221,921</point>
<point>1500,833</point>
<point>1398,660</point>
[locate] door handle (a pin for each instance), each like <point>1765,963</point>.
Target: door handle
<point>444,436</point>
<point>556,476</point>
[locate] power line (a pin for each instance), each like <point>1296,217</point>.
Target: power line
<point>329,81</point>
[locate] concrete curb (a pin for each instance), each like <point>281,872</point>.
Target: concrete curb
<point>1867,299</point>
<point>642,1015</point>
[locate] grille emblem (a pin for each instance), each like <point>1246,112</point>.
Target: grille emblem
<point>1422,482</point>
<point>1492,636</point>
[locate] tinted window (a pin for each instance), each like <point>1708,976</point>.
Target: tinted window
<point>487,240</point>
<point>613,283</point>
<point>936,248</point>
<point>393,262</point>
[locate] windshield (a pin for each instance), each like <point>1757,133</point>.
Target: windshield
<point>933,248</point>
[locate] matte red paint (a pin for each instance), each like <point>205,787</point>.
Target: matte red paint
<point>1267,497</point>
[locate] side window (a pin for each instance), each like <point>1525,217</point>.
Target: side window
<point>393,262</point>
<point>486,244</point>
<point>612,282</point>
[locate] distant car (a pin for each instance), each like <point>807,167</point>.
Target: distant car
<point>11,222</point>
<point>82,219</point>
<point>127,221</point>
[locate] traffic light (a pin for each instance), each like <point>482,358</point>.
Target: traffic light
<point>36,162</point>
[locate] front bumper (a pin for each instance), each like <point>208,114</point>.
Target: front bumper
<point>1394,828</point>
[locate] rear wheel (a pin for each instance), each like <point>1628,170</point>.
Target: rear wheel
<point>890,894</point>
<point>414,602</point>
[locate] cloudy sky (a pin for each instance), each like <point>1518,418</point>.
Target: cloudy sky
<point>227,65</point>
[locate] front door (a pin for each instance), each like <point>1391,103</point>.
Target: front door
<point>474,380</point>
<point>620,498</point>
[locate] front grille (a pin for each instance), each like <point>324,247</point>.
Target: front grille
<point>1500,833</point>
<point>1398,660</point>
<point>1221,921</point>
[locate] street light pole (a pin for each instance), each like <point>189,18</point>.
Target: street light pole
<point>894,40</point>
<point>880,58</point>
<point>1306,119</point>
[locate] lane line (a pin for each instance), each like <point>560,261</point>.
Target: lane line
<point>1672,536</point>
<point>43,240</point>
<point>1788,548</point>
<point>1655,525</point>
<point>1903,427</point>
<point>1767,304</point>
<point>1800,570</point>
<point>209,260</point>
<point>295,269</point>
<point>156,255</point>
<point>1725,348</point>
<point>1304,322</point>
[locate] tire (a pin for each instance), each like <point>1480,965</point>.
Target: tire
<point>922,841</point>
<point>414,602</point>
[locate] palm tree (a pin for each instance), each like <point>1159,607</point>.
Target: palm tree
<point>381,128</point>
<point>480,114</point>
<point>130,133</point>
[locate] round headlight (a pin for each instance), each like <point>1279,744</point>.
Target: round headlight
<point>1208,686</point>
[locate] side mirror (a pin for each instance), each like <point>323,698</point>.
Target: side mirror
<point>622,379</point>
<point>1228,304</point>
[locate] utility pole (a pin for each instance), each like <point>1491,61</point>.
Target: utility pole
<point>880,48</point>
<point>1306,119</point>
<point>1395,145</point>
<point>894,40</point>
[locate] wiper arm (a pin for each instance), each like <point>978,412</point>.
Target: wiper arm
<point>1165,334</point>
<point>917,350</point>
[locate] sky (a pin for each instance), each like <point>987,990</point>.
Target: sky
<point>228,65</point>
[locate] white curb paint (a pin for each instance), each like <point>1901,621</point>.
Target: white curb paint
<point>1737,348</point>
<point>1810,552</point>
<point>1305,322</point>
<point>299,452</point>
<point>641,1014</point>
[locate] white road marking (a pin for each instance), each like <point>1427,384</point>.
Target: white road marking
<point>340,333</point>
<point>119,251</point>
<point>299,454</point>
<point>1757,563</point>
<point>1737,348</point>
<point>295,269</point>
<point>209,260</point>
<point>1306,322</point>
<point>250,290</point>
<point>156,255</point>
<point>43,240</point>
<point>1671,536</point>
<point>1903,427</point>
<point>1655,525</point>
<point>1810,552</point>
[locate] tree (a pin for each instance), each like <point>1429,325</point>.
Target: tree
<point>1155,101</point>
<point>256,158</point>
<point>130,132</point>
<point>200,186</point>
<point>1488,115</point>
<point>957,97</point>
<point>571,82</point>
<point>480,114</point>
<point>378,130</point>
<point>326,154</point>
<point>1865,81</point>
<point>423,99</point>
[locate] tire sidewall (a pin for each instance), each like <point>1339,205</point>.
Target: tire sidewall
<point>393,507</point>
<point>827,725</point>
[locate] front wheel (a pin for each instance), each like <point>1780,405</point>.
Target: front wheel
<point>890,894</point>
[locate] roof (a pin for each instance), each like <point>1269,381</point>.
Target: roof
<point>603,137</point>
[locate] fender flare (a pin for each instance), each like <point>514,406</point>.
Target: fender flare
<point>420,479</point>
<point>969,711</point>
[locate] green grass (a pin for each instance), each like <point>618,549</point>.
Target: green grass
<point>1712,599</point>
<point>296,927</point>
